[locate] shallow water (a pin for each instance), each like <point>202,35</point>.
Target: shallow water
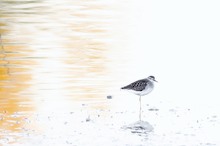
<point>61,61</point>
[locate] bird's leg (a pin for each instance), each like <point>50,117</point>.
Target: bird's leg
<point>140,108</point>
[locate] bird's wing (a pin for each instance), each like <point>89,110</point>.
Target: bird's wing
<point>137,86</point>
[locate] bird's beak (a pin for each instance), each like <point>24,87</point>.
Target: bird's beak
<point>155,81</point>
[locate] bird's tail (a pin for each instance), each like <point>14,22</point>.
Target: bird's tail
<point>125,87</point>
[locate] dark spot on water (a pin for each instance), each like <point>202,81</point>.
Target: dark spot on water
<point>88,119</point>
<point>67,142</point>
<point>210,144</point>
<point>109,97</point>
<point>135,132</point>
<point>214,116</point>
<point>153,109</point>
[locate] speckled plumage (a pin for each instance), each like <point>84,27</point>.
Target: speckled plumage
<point>141,87</point>
<point>137,85</point>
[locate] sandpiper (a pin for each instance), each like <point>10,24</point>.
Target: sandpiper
<point>141,87</point>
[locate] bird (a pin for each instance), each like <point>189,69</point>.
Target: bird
<point>141,87</point>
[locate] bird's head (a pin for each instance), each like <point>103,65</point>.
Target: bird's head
<point>151,78</point>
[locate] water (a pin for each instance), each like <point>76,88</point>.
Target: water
<point>62,64</point>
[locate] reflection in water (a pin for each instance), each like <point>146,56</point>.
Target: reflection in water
<point>13,80</point>
<point>53,57</point>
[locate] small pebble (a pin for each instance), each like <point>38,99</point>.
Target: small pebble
<point>109,97</point>
<point>88,119</point>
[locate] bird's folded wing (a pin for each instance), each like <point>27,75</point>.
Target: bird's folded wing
<point>137,86</point>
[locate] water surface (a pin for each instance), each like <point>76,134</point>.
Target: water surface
<point>59,60</point>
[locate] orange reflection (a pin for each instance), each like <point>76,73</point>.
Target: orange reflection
<point>68,42</point>
<point>87,58</point>
<point>13,80</point>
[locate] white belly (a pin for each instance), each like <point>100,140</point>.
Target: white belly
<point>146,91</point>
